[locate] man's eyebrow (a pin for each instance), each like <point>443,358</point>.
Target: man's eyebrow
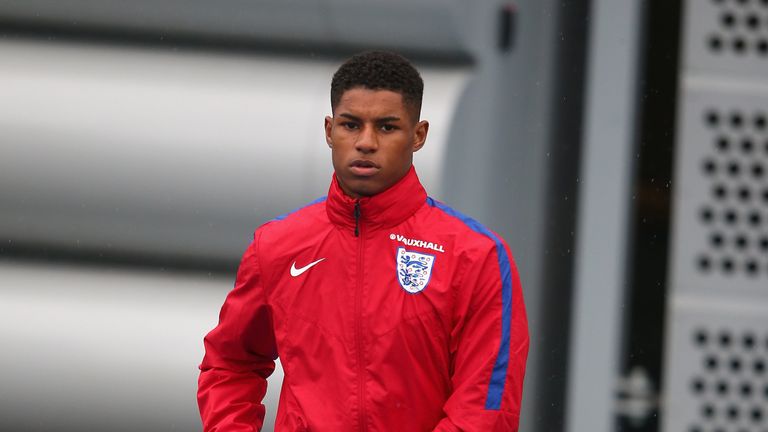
<point>378,120</point>
<point>387,119</point>
<point>351,117</point>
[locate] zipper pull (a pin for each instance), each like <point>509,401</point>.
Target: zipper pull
<point>357,218</point>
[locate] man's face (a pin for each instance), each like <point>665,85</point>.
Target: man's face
<point>372,136</point>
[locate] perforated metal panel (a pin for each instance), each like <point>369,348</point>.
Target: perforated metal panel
<point>727,37</point>
<point>717,332</point>
<point>722,193</point>
<point>719,372</point>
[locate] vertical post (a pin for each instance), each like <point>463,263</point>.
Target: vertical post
<point>608,163</point>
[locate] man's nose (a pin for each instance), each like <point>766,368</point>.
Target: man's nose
<point>367,140</point>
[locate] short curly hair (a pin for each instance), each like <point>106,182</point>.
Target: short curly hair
<point>379,70</point>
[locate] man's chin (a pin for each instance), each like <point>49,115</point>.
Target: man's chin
<point>359,188</point>
<point>367,191</point>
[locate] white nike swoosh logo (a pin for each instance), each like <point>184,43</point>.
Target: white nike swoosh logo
<point>298,271</point>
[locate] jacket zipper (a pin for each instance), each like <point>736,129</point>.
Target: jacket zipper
<point>359,319</point>
<point>357,218</point>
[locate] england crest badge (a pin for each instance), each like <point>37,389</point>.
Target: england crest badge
<point>414,270</point>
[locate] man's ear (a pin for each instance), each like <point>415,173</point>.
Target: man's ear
<point>328,125</point>
<point>420,135</point>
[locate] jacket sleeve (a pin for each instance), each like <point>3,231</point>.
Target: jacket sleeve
<point>489,346</point>
<point>239,355</point>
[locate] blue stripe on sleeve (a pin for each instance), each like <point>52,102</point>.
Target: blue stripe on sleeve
<point>499,375</point>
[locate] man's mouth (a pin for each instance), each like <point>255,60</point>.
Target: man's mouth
<point>364,168</point>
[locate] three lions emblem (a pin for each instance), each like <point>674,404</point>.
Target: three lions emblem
<point>414,270</point>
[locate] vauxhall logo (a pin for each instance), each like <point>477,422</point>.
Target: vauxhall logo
<point>418,243</point>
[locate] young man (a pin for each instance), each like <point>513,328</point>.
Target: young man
<point>389,310</point>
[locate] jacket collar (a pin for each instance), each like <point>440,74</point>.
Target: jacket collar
<point>386,209</point>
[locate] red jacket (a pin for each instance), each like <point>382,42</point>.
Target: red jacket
<point>389,313</point>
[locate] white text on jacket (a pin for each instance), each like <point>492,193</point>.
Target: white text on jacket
<point>417,243</point>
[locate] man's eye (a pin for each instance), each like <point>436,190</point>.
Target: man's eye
<point>388,127</point>
<point>349,125</point>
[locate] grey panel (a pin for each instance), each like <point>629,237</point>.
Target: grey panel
<point>717,331</point>
<point>721,229</point>
<point>727,37</point>
<point>719,279</point>
<point>434,25</point>
<point>718,371</point>
<point>103,349</point>
<point>427,26</point>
